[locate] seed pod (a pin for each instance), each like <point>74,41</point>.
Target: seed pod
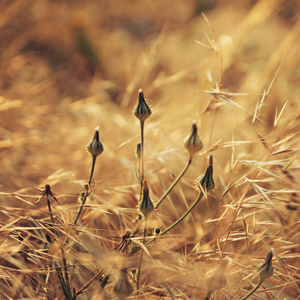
<point>193,143</point>
<point>156,231</point>
<point>95,147</point>
<point>142,111</point>
<point>146,205</point>
<point>123,287</point>
<point>216,279</point>
<point>206,180</point>
<point>265,269</point>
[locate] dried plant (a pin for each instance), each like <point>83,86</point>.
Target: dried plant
<point>158,212</point>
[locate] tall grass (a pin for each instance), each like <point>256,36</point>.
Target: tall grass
<point>233,69</point>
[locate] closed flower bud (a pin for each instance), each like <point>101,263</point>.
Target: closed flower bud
<point>123,288</point>
<point>193,143</point>
<point>216,279</point>
<point>81,197</point>
<point>206,180</point>
<point>265,269</point>
<point>142,111</point>
<point>157,231</point>
<point>95,147</point>
<point>146,205</point>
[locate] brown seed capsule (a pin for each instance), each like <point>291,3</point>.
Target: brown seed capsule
<point>216,279</point>
<point>123,287</point>
<point>156,231</point>
<point>142,111</point>
<point>146,205</point>
<point>193,143</point>
<point>206,180</point>
<point>95,147</point>
<point>265,269</point>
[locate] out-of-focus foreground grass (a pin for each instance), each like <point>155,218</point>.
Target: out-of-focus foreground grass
<point>69,66</point>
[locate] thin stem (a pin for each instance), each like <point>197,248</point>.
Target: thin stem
<point>64,280</point>
<point>172,226</point>
<point>187,212</point>
<point>209,293</point>
<point>81,207</point>
<point>81,290</point>
<point>142,147</point>
<point>167,192</point>
<point>93,167</point>
<point>139,272</point>
<point>66,274</point>
<point>50,209</point>
<point>254,290</point>
<point>141,258</point>
<point>86,193</point>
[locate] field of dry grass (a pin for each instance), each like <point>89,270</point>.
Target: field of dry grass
<point>67,67</point>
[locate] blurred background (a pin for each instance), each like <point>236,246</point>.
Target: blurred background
<point>68,66</point>
<point>232,66</point>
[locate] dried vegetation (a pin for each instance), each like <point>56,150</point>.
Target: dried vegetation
<point>67,67</point>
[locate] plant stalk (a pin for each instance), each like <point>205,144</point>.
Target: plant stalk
<point>93,167</point>
<point>81,207</point>
<point>50,209</point>
<point>86,286</point>
<point>63,277</point>
<point>186,213</point>
<point>173,225</point>
<point>167,192</point>
<point>209,293</point>
<point>142,122</point>
<point>254,290</point>
<point>86,193</point>
<point>141,258</point>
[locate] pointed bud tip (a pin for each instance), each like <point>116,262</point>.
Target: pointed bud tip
<point>145,183</point>
<point>146,205</point>
<point>226,261</point>
<point>95,147</point>
<point>206,180</point>
<point>193,142</point>
<point>142,110</point>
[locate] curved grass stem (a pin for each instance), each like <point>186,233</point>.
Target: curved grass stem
<point>167,192</point>
<point>173,225</point>
<point>186,213</point>
<point>254,290</point>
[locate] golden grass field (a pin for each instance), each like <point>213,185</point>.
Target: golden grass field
<point>69,66</point>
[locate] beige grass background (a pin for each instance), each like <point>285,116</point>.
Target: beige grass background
<point>69,66</point>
